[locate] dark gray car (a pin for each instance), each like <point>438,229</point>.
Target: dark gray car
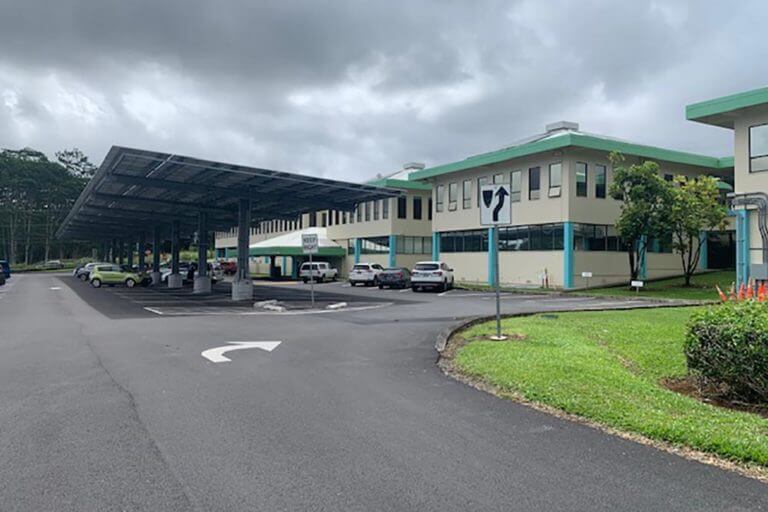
<point>397,277</point>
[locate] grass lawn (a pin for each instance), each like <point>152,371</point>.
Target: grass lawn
<point>702,287</point>
<point>606,366</point>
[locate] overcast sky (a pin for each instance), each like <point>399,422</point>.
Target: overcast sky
<point>349,89</point>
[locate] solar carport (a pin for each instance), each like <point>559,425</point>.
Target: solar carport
<point>137,193</point>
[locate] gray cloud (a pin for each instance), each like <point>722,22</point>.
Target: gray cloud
<point>347,89</point>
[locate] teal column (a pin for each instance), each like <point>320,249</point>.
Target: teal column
<point>491,256</point>
<point>283,266</point>
<point>435,246</point>
<point>742,246</point>
<point>358,248</point>
<point>642,255</point>
<point>294,268</point>
<point>703,263</point>
<point>568,255</point>
<point>392,251</point>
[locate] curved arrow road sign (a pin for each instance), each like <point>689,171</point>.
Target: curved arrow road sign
<point>216,355</point>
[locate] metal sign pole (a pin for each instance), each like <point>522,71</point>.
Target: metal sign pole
<point>311,280</point>
<point>496,278</point>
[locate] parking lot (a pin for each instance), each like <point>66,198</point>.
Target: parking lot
<point>345,408</point>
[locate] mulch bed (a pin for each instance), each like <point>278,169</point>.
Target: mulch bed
<point>690,386</point>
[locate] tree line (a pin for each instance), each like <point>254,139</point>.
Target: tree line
<point>36,193</point>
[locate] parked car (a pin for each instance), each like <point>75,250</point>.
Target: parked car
<point>229,267</point>
<point>432,274</point>
<point>53,265</point>
<point>112,274</point>
<point>84,273</point>
<point>321,271</point>
<point>396,277</point>
<point>165,271</point>
<point>5,268</point>
<point>2,279</point>
<point>366,273</point>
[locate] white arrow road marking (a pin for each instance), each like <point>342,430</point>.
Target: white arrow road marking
<point>216,355</point>
<point>55,287</point>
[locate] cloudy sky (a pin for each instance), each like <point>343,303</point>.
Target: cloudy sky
<point>349,89</point>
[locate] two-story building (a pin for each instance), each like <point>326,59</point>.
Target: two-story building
<point>746,114</point>
<point>563,217</point>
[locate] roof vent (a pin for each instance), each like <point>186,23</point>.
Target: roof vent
<point>561,126</point>
<point>414,165</point>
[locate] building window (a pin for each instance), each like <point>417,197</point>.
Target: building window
<point>555,179</point>
<point>359,210</point>
<point>367,211</point>
<point>464,241</point>
<point>324,220</point>
<point>596,237</point>
<point>541,237</point>
<point>337,214</point>
<point>417,208</point>
<point>385,209</point>
<point>429,208</point>
<point>374,245</point>
<point>600,179</point>
<point>515,185</point>
<point>498,179</point>
<point>534,182</point>
<point>581,179</point>
<point>439,193</point>
<point>480,182</point>
<point>413,245</point>
<point>375,210</point>
<point>466,194</point>
<point>312,219</point>
<point>402,207</point>
<point>758,148</point>
<point>453,195</point>
<point>344,217</point>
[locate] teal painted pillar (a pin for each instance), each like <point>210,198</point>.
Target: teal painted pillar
<point>392,251</point>
<point>294,268</point>
<point>642,253</point>
<point>283,266</point>
<point>568,255</point>
<point>491,256</point>
<point>742,246</point>
<point>358,248</point>
<point>704,257</point>
<point>435,246</point>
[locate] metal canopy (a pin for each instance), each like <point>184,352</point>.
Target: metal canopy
<point>134,190</point>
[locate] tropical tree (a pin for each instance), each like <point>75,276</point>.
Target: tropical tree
<point>695,208</point>
<point>645,203</point>
<point>76,163</point>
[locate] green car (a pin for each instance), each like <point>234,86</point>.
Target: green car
<point>114,274</point>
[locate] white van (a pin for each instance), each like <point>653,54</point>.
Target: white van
<point>321,271</point>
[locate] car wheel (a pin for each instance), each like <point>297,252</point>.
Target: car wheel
<point>130,283</point>
<point>83,277</point>
<point>381,287</point>
<point>441,287</point>
<point>304,280</point>
<point>375,281</point>
<point>96,283</point>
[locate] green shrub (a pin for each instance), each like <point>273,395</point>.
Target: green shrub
<point>727,347</point>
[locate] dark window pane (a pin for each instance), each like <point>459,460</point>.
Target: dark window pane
<point>417,208</point>
<point>534,182</point>
<point>581,179</point>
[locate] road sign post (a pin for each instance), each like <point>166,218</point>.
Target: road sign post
<point>495,210</point>
<point>309,246</point>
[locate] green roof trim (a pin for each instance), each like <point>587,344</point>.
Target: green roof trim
<point>707,111</point>
<point>402,184</point>
<point>295,251</point>
<point>726,162</point>
<point>575,140</point>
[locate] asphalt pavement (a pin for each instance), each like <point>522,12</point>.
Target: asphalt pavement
<point>105,405</point>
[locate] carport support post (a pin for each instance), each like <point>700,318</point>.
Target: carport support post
<point>140,251</point>
<point>156,255</point>
<point>202,281</point>
<point>392,251</point>
<point>242,287</point>
<point>131,246</point>
<point>105,250</point>
<point>120,251</point>
<point>113,251</point>
<point>175,280</point>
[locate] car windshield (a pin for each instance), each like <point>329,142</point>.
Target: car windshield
<point>427,266</point>
<point>360,267</point>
